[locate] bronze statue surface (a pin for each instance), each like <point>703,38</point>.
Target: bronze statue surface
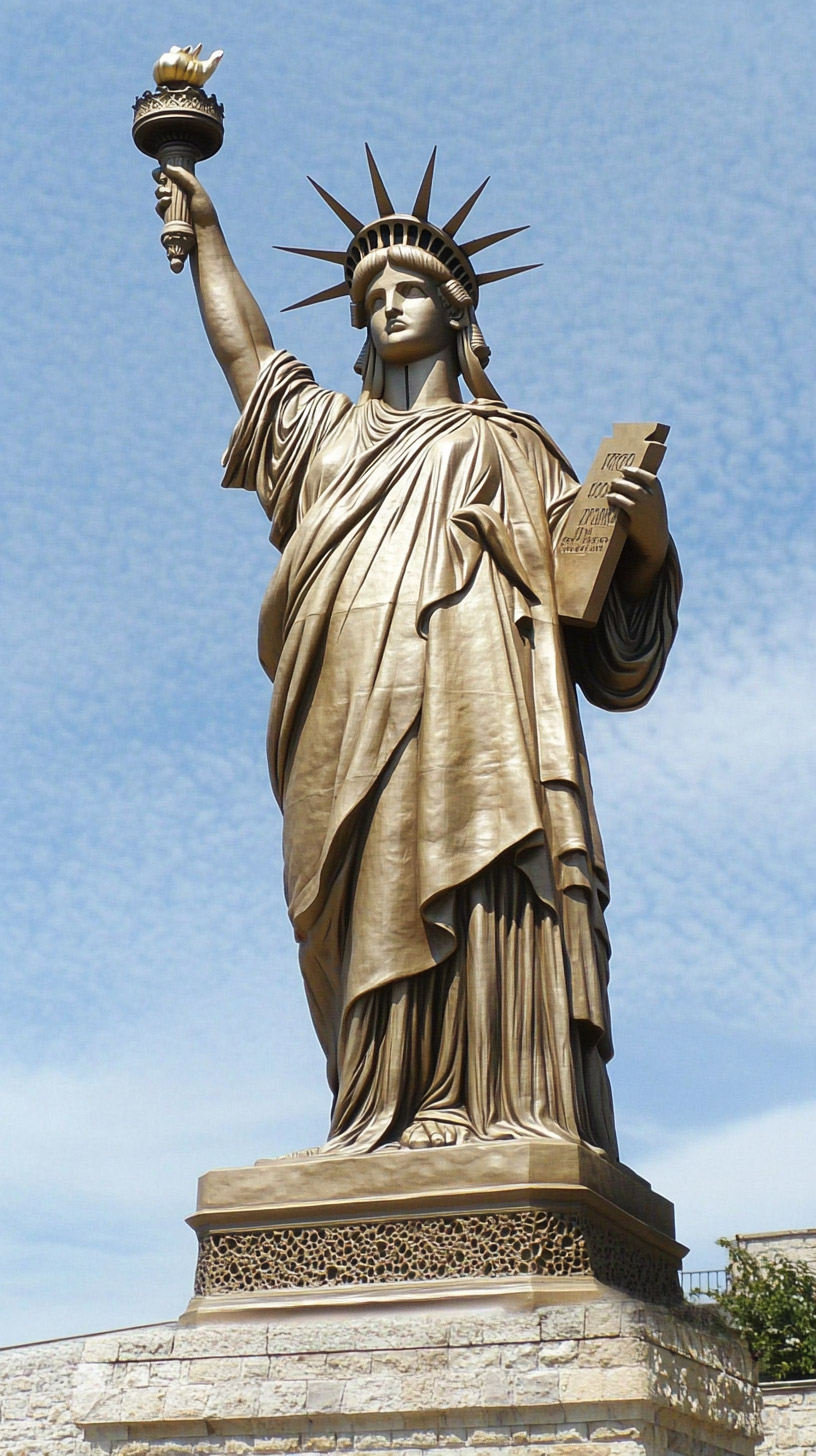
<point>444,871</point>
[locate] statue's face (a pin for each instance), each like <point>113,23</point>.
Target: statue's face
<point>408,319</point>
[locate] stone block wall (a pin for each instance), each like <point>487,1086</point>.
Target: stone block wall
<point>789,1418</point>
<point>790,1243</point>
<point>615,1378</point>
<point>36,1399</point>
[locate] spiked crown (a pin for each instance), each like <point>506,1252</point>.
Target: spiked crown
<point>413,228</point>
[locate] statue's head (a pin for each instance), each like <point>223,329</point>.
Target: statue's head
<point>437,289</point>
<point>413,308</point>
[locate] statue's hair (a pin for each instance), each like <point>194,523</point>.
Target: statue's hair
<point>471,348</point>
<point>400,255</point>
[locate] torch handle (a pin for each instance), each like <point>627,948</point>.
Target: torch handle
<point>178,233</point>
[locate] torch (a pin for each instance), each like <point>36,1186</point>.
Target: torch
<point>179,125</point>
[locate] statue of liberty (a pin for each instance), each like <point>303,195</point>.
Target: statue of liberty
<point>444,872</point>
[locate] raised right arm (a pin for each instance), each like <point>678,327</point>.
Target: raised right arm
<point>236,328</point>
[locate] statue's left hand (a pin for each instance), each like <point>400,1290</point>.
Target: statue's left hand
<point>202,212</point>
<point>639,495</point>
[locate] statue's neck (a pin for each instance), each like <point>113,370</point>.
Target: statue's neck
<point>425,382</point>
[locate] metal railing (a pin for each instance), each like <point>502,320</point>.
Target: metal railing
<point>704,1283</point>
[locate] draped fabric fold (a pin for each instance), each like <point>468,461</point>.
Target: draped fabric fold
<point>443,867</point>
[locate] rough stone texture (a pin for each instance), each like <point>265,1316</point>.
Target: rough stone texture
<point>36,1392</point>
<point>788,1418</point>
<point>791,1243</point>
<point>616,1377</point>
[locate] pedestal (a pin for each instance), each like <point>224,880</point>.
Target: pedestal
<point>508,1224</point>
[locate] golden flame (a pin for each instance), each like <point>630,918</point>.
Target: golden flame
<point>182,64</point>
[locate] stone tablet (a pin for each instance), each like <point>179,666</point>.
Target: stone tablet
<point>593,534</point>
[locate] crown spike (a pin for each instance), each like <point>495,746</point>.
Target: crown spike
<point>483,278</point>
<point>423,197</point>
<point>340,290</point>
<point>352,223</point>
<point>383,201</point>
<point>326,255</point>
<point>487,242</point>
<point>453,225</point>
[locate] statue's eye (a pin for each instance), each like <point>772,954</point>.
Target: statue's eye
<point>415,291</point>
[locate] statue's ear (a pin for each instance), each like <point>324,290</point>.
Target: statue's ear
<point>457,317</point>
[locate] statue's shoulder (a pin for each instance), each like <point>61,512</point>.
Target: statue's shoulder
<point>525,429</point>
<point>287,387</point>
<point>280,369</point>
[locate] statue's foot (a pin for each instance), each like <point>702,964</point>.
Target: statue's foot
<point>303,1153</point>
<point>433,1132</point>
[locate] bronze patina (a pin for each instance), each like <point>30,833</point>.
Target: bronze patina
<point>444,872</point>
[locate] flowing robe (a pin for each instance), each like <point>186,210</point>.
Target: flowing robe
<point>444,872</point>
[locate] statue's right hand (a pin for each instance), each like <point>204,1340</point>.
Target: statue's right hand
<point>202,212</point>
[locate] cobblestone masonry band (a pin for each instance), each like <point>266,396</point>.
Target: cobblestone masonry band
<point>388,1251</point>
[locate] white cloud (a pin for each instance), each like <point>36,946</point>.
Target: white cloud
<point>744,1176</point>
<point>100,1168</point>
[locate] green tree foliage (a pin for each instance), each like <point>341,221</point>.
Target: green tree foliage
<point>772,1302</point>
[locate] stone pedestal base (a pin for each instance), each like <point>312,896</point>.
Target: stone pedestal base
<point>408,1303</point>
<point>513,1224</point>
<point>607,1378</point>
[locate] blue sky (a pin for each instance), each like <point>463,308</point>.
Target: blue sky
<point>154,1023</point>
